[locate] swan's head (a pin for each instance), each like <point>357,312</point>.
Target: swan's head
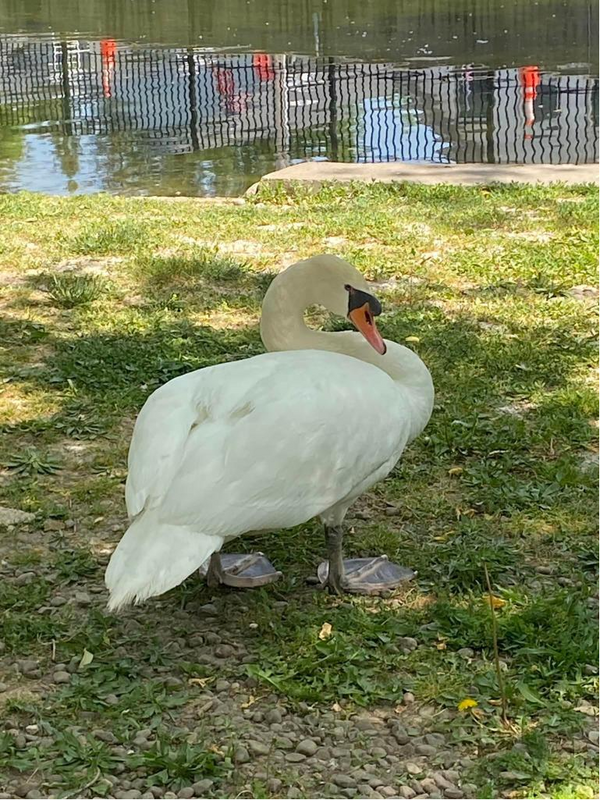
<point>343,290</point>
<point>326,281</point>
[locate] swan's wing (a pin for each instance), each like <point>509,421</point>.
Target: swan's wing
<point>285,438</point>
<point>159,437</point>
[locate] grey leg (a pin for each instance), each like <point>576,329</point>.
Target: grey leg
<point>335,577</point>
<point>215,574</point>
<point>358,575</point>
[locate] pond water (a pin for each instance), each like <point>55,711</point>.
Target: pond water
<point>201,98</point>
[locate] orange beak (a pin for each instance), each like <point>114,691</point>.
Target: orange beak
<point>364,322</point>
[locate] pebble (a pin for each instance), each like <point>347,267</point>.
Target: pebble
<point>454,793</point>
<point>387,791</point>
<point>222,685</point>
<point>412,768</point>
<point>3,687</point>
<point>430,786</point>
<point>27,666</point>
<point>407,792</point>
<point>544,569</point>
<point>425,750</point>
<point>58,600</point>
<point>61,677</point>
<point>408,698</point>
<point>593,736</point>
<point>111,700</point>
<point>104,736</point>
<point>186,792</point>
<point>274,785</point>
<point>465,652</point>
<point>209,610</point>
<point>400,735</point>
<point>82,598</point>
<point>24,578</point>
<point>258,748</point>
<point>307,747</point>
<point>224,651</point>
<point>294,758</point>
<point>343,781</point>
<point>241,755</point>
<point>201,787</point>
<point>273,716</point>
<point>407,643</point>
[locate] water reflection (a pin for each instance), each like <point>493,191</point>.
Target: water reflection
<point>89,115</point>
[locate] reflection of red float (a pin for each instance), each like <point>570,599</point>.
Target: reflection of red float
<point>263,66</point>
<point>530,79</point>
<point>108,52</point>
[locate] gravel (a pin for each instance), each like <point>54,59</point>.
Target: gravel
<point>343,781</point>
<point>307,747</point>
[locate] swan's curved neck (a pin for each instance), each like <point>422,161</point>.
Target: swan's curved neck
<point>282,327</point>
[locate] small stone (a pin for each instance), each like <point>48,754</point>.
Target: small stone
<point>544,569</point>
<point>54,525</point>
<point>440,781</point>
<point>307,747</point>
<point>104,736</point>
<point>407,792</point>
<point>222,685</point>
<point>590,669</point>
<point>201,787</point>
<point>407,643</point>
<point>58,601</point>
<point>24,578</point>
<point>393,511</point>
<point>378,752</point>
<point>61,677</point>
<point>32,728</point>
<point>3,687</point>
<point>283,743</point>
<point>23,789</point>
<point>258,748</point>
<point>27,666</point>
<point>273,716</point>
<point>412,768</point>
<point>14,516</point>
<point>429,785</point>
<point>425,750</point>
<point>465,652</point>
<point>408,698</point>
<point>241,755</point>
<point>186,792</point>
<point>111,700</point>
<point>343,781</point>
<point>224,651</point>
<point>209,610</point>
<point>274,785</point>
<point>454,793</point>
<point>593,737</point>
<point>294,758</point>
<point>387,791</point>
<point>82,598</point>
<point>400,735</point>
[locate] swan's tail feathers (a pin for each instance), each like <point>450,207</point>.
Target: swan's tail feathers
<point>153,557</point>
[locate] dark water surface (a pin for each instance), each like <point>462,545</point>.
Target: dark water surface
<point>190,97</point>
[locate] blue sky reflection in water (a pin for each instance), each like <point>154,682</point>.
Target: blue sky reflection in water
<point>200,99</point>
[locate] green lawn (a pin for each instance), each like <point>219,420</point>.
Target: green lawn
<point>105,299</point>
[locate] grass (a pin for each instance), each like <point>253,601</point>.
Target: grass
<point>104,299</point>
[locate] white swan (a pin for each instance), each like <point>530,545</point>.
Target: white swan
<point>271,442</point>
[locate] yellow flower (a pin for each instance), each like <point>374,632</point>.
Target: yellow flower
<point>467,703</point>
